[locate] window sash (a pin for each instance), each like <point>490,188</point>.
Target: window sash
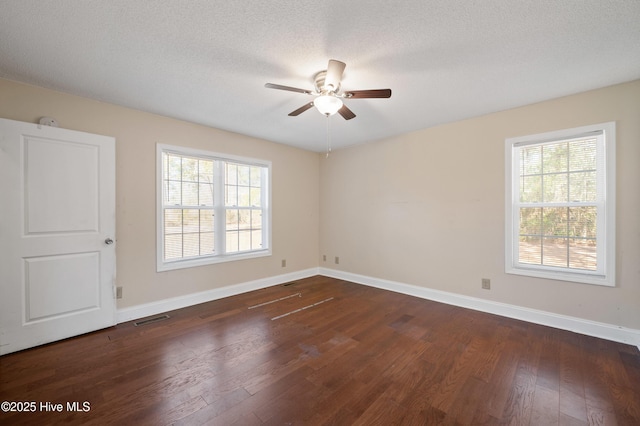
<point>558,239</point>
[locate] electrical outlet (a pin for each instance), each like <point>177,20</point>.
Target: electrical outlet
<point>324,257</point>
<point>119,292</point>
<point>284,263</point>
<point>337,260</point>
<point>486,283</point>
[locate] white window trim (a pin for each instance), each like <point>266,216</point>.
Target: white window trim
<point>606,251</point>
<point>219,208</point>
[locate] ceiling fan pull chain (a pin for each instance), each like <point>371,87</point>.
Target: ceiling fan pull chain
<point>328,138</point>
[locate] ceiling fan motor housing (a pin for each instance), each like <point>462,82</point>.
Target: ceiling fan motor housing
<point>318,83</point>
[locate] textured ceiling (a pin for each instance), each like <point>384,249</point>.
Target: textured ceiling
<point>207,61</point>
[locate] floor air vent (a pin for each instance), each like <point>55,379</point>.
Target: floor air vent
<point>151,320</point>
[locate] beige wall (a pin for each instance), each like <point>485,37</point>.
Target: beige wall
<point>295,187</point>
<point>427,208</point>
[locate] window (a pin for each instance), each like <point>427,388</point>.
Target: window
<point>560,205</point>
<point>211,208</point>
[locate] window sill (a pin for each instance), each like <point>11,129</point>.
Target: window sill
<point>211,260</point>
<point>576,277</point>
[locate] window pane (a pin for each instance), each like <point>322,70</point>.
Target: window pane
<point>173,193</point>
<point>530,250</point>
<point>530,160</point>
<point>231,195</point>
<point>244,240</point>
<point>173,221</point>
<point>172,246</point>
<point>582,155</point>
<point>582,222</point>
<point>531,221</point>
<point>582,186</point>
<point>231,174</point>
<point>205,194</point>
<point>531,189</point>
<point>232,241</point>
<point>554,252</point>
<point>555,188</point>
<point>244,219</point>
<point>256,176</point>
<point>582,254</point>
<point>174,166</point>
<point>207,245</point>
<point>243,196</point>
<point>256,194</point>
<point>189,169</point>
<point>256,239</point>
<point>191,245</point>
<point>205,169</point>
<point>189,194</point>
<point>555,221</point>
<point>232,219</point>
<point>256,219</point>
<point>206,220</point>
<point>244,175</point>
<point>190,220</point>
<point>554,157</point>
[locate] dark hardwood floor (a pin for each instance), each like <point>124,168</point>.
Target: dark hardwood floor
<point>355,355</point>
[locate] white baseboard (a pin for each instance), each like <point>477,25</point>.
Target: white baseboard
<point>578,325</point>
<point>154,308</point>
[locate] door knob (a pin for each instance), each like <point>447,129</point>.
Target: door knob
<point>108,241</point>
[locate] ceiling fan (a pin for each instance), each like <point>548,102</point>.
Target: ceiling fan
<point>328,95</point>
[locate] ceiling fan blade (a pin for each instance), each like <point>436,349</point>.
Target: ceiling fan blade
<point>334,74</point>
<point>346,113</point>
<point>362,94</point>
<point>301,109</point>
<point>289,88</point>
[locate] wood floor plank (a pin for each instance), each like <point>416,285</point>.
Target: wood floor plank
<point>490,356</point>
<point>620,385</point>
<point>572,397</point>
<point>502,381</point>
<point>519,406</point>
<point>366,356</point>
<point>328,409</point>
<point>291,406</point>
<point>216,406</point>
<point>381,411</point>
<point>600,417</point>
<point>452,384</point>
<point>546,406</point>
<point>472,395</point>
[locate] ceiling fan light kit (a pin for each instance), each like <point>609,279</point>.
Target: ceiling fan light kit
<point>328,95</point>
<point>327,104</point>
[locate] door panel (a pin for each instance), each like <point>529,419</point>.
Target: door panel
<point>50,279</point>
<point>57,272</point>
<point>60,196</point>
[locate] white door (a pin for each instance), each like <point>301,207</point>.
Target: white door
<point>57,234</point>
